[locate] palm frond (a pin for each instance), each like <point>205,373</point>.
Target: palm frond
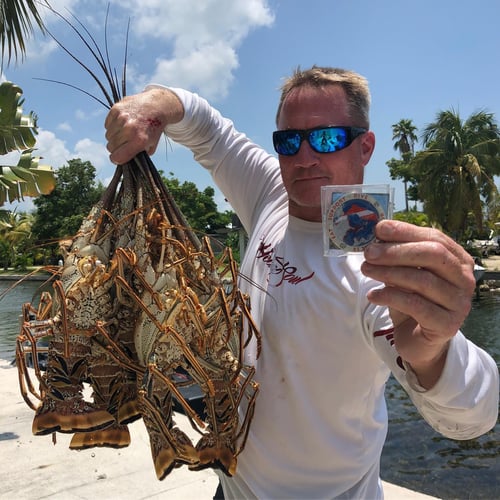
<point>17,19</point>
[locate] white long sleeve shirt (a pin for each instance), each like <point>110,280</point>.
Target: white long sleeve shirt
<point>321,419</point>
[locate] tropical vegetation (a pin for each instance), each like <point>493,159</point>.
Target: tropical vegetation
<point>404,135</point>
<point>453,176</point>
<point>17,22</point>
<point>17,131</point>
<point>456,169</point>
<point>16,241</point>
<point>59,215</point>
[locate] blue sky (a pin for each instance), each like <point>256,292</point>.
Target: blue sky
<point>419,57</point>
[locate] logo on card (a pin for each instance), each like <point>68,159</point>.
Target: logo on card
<point>351,221</point>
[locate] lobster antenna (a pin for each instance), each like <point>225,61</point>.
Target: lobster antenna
<point>100,101</point>
<point>125,57</point>
<point>98,56</point>
<point>104,63</point>
<point>111,72</point>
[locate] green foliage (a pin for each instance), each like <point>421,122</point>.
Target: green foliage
<point>16,23</point>
<point>22,261</point>
<point>413,217</point>
<point>15,240</point>
<point>404,135</point>
<point>402,170</point>
<point>5,255</point>
<point>28,178</point>
<point>17,133</point>
<point>60,214</point>
<point>455,173</point>
<point>201,211</point>
<point>199,207</point>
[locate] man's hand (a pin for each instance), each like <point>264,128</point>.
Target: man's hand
<point>137,122</point>
<point>429,286</point>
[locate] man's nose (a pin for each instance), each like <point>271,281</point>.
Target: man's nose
<point>306,156</point>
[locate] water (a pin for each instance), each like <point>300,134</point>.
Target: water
<point>414,456</point>
<point>10,311</point>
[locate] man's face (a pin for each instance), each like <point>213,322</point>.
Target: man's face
<point>304,173</point>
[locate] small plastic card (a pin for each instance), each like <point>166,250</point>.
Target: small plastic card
<point>350,214</point>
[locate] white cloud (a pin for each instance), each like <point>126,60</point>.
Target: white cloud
<point>61,6</point>
<point>187,43</point>
<point>93,152</point>
<point>195,41</point>
<point>204,37</point>
<point>55,152</point>
<point>193,23</point>
<point>195,44</point>
<point>51,148</point>
<point>208,70</point>
<point>80,114</point>
<point>65,127</point>
<point>39,48</point>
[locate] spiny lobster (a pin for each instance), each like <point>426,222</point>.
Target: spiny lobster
<point>141,296</point>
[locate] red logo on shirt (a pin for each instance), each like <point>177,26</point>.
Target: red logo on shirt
<point>389,336</point>
<point>279,266</point>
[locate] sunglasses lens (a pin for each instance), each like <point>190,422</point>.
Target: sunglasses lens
<point>322,139</point>
<point>328,140</point>
<point>286,142</point>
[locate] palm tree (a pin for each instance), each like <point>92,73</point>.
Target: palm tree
<point>16,23</point>
<point>404,133</point>
<point>456,170</point>
<point>15,231</point>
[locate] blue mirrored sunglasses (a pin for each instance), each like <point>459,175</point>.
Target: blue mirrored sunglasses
<point>321,139</point>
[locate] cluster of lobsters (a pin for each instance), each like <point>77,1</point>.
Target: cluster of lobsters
<point>139,298</point>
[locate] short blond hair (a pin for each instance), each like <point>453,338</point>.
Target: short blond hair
<point>355,87</point>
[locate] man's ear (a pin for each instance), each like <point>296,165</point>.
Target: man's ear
<point>367,146</point>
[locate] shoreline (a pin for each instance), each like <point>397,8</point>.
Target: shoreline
<point>26,277</point>
<point>37,468</point>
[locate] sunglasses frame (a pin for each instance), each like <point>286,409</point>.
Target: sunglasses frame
<point>351,134</point>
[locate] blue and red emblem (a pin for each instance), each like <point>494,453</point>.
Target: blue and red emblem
<point>351,221</point>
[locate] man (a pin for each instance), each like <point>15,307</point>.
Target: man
<point>333,328</point>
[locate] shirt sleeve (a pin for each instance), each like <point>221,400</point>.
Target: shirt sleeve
<point>464,402</point>
<point>245,173</point>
